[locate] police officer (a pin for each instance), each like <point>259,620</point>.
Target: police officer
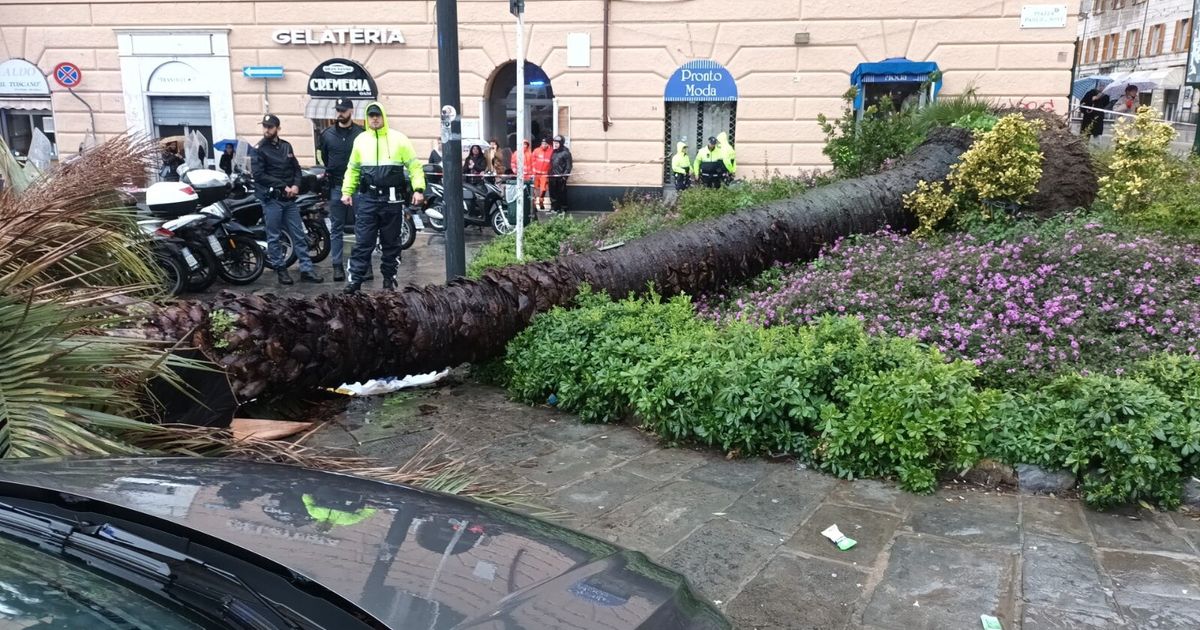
<point>276,184</point>
<point>335,145</point>
<point>377,173</point>
<point>681,167</point>
<point>710,165</point>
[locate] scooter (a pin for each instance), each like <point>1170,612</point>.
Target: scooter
<point>247,210</point>
<point>483,205</point>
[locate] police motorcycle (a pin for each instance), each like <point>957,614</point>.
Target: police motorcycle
<point>311,201</point>
<point>213,244</point>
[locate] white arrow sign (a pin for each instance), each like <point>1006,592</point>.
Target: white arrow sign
<point>262,72</point>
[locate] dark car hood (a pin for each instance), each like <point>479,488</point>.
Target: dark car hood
<point>411,558</point>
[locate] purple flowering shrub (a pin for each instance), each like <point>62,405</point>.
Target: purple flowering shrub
<point>1022,309</point>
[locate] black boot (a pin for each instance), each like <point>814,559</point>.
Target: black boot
<point>311,277</point>
<point>284,276</point>
<point>352,288</point>
<point>389,283</point>
<point>339,274</point>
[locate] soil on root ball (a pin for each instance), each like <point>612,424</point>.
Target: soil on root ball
<point>1061,189</point>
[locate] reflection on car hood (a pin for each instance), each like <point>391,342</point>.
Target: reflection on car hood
<point>411,558</point>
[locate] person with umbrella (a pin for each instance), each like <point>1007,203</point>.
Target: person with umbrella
<point>1092,120</point>
<point>1127,103</point>
<point>227,159</point>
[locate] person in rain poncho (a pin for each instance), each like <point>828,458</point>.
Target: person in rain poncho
<point>681,166</point>
<point>728,155</point>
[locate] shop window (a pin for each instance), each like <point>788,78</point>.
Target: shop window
<point>17,125</point>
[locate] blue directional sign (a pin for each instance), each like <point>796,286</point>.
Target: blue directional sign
<point>262,72</point>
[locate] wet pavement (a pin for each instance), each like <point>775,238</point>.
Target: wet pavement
<point>422,264</point>
<point>747,533</point>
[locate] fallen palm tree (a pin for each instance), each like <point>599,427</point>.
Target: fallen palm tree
<point>276,344</point>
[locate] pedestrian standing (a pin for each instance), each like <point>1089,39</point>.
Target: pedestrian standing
<point>728,156</point>
<point>335,145</point>
<point>1091,121</point>
<point>1128,102</point>
<point>560,170</point>
<point>495,158</point>
<point>377,173</point>
<point>226,162</point>
<point>526,155</point>
<point>681,167</point>
<point>541,172</point>
<point>709,166</point>
<point>474,165</point>
<point>276,184</point>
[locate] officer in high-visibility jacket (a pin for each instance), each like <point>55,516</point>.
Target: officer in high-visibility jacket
<point>377,173</point>
<point>710,165</point>
<point>728,155</point>
<point>681,167</point>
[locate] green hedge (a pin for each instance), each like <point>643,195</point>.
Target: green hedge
<point>853,404</point>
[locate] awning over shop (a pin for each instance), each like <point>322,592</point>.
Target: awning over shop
<point>893,70</point>
<point>27,104</point>
<point>324,108</point>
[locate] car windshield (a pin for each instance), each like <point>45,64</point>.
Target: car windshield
<point>42,590</point>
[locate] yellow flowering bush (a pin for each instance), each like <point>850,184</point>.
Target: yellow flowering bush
<point>1003,168</point>
<point>931,203</point>
<point>1141,162</point>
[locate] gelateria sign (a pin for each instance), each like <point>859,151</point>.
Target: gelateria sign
<point>349,35</point>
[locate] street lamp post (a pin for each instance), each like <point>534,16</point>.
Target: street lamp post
<point>518,9</point>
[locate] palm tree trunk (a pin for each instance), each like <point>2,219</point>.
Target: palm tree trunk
<point>285,344</point>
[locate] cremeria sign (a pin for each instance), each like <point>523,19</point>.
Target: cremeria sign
<point>341,78</point>
<point>348,35</point>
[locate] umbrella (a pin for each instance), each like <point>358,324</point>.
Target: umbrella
<point>178,139</point>
<point>1144,81</point>
<point>1083,84</point>
<point>221,144</point>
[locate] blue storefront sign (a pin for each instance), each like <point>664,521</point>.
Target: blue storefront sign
<point>895,70</point>
<point>701,80</point>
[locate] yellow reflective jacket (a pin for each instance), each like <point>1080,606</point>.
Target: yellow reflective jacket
<point>378,160</point>
<point>681,163</point>
<point>728,155</point>
<point>708,161</point>
<point>332,516</point>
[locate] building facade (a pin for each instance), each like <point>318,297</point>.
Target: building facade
<point>1148,37</point>
<point>623,80</point>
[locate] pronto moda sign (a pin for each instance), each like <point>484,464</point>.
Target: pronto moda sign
<point>67,74</point>
<point>701,80</point>
<point>349,35</point>
<point>341,78</point>
<point>21,78</point>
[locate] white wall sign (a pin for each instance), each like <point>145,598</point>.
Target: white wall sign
<point>310,37</point>
<point>18,76</point>
<point>579,50</point>
<point>176,77</point>
<point>1044,16</point>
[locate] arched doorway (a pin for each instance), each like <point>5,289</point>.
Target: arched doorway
<point>501,117</point>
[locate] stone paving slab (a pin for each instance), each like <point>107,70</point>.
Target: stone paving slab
<point>721,556</point>
<point>936,584</point>
<point>1065,576</point>
<point>970,518</point>
<point>798,593</point>
<point>871,530</point>
<point>746,533</point>
<point>655,521</point>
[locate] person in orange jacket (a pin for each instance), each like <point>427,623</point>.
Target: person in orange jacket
<point>541,172</point>
<point>512,162</point>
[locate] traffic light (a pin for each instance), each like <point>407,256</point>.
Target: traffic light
<point>516,7</point>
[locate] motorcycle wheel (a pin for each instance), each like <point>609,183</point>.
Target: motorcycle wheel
<point>174,270</point>
<point>408,232</point>
<point>204,277</point>
<point>500,224</point>
<point>318,239</point>
<point>437,224</point>
<point>244,260</point>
